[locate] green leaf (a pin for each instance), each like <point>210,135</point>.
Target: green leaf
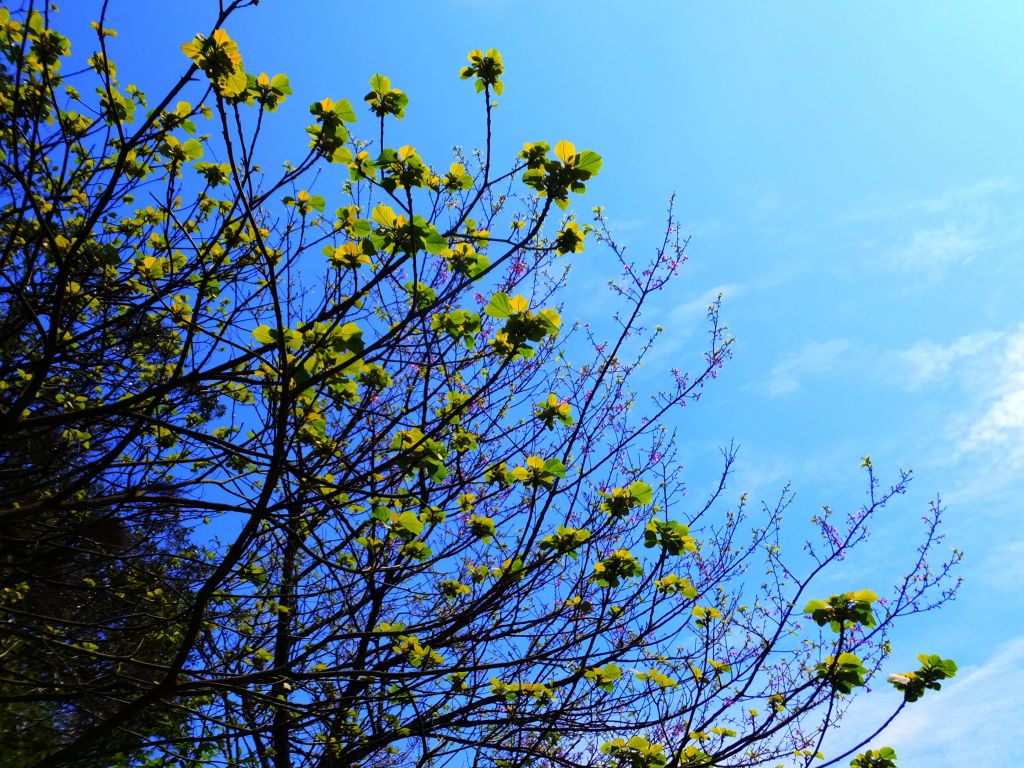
<point>641,492</point>
<point>499,307</point>
<point>411,523</point>
<point>193,149</point>
<point>380,83</point>
<point>263,334</point>
<point>257,574</point>
<point>343,110</point>
<point>434,242</point>
<point>348,337</point>
<point>384,215</point>
<point>815,605</point>
<point>280,83</point>
<point>342,155</point>
<point>588,161</point>
<point>555,467</point>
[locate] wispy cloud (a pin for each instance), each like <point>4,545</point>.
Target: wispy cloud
<point>988,369</point>
<point>765,205</point>
<point>813,359</point>
<point>981,437</point>
<point>931,251</point>
<point>1002,568</point>
<point>1002,418</point>
<point>974,720</point>
<point>952,199</point>
<point>627,225</point>
<point>693,310</point>
<point>956,198</point>
<point>920,240</point>
<point>928,363</point>
<point>682,322</point>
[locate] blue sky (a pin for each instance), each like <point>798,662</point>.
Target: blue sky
<point>852,177</point>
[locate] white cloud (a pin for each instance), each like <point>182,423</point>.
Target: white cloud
<point>927,362</point>
<point>627,225</point>
<point>765,205</point>
<point>952,199</point>
<point>921,239</point>
<point>1003,422</point>
<point>1002,569</point>
<point>1002,419</point>
<point>988,368</point>
<point>681,322</point>
<point>980,440</point>
<point>973,720</point>
<point>694,310</point>
<point>956,197</point>
<point>929,251</point>
<point>813,359</point>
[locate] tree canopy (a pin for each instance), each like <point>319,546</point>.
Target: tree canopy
<point>309,469</point>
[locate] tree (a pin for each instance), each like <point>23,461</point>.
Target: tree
<point>282,486</point>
